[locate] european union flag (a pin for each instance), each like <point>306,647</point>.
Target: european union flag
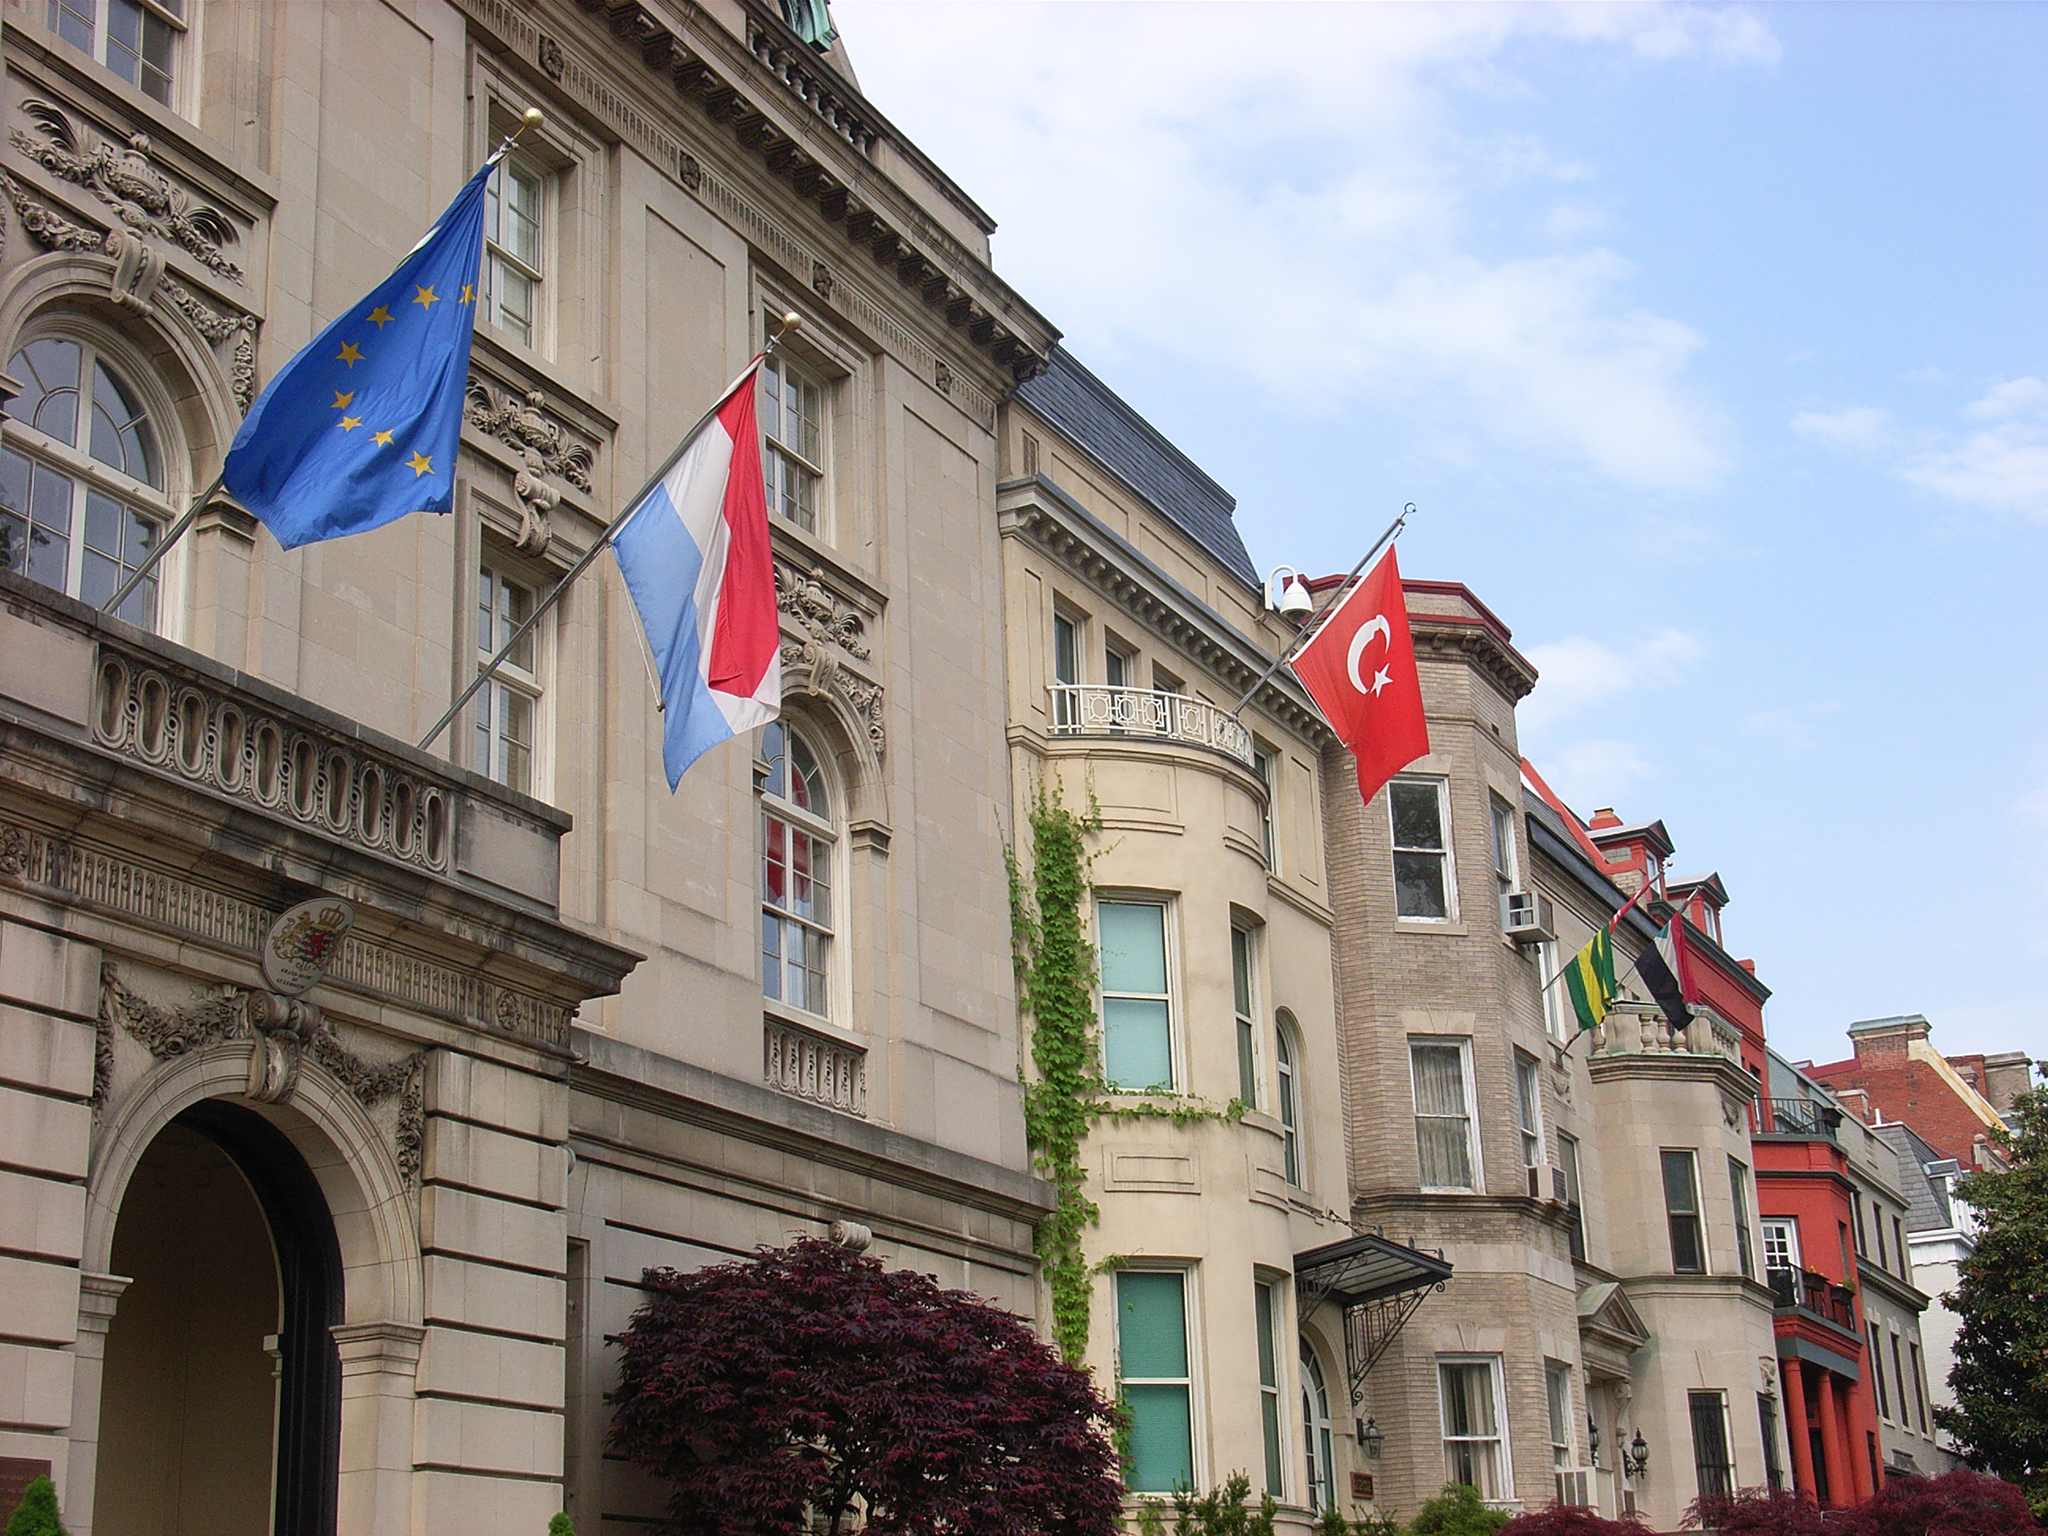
<point>361,426</point>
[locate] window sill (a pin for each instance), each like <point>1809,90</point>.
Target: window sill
<point>817,1024</point>
<point>1447,927</point>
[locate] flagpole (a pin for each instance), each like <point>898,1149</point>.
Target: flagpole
<point>790,322</point>
<point>1309,629</point>
<point>532,118</point>
<point>163,545</point>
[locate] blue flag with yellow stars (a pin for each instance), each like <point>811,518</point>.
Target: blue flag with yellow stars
<point>360,427</point>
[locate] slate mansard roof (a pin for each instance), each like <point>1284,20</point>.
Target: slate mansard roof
<point>1131,448</point>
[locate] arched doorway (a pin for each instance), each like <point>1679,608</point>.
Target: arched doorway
<point>221,1404</point>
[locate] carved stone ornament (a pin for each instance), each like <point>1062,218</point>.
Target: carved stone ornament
<point>549,54</point>
<point>142,201</point>
<point>833,633</point>
<point>283,1032</point>
<point>521,423</point>
<point>821,280</point>
<point>690,173</point>
<point>942,379</point>
<point>13,850</point>
<point>536,498</point>
<point>138,282</point>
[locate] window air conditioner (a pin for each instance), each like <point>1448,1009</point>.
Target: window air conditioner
<point>1560,1191</point>
<point>1535,1181</point>
<point>1526,917</point>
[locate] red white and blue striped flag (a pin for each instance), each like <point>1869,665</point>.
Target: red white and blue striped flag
<point>695,556</point>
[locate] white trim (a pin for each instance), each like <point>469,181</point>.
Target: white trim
<point>1448,853</point>
<point>1474,1155</point>
<point>1504,1465</point>
<point>1169,903</point>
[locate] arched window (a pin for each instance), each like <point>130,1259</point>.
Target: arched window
<point>1315,1428</point>
<point>1288,1091</point>
<point>796,873</point>
<point>82,498</point>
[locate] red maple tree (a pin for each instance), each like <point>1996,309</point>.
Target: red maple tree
<point>810,1381</point>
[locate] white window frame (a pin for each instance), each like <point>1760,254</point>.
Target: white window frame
<point>1697,1213</point>
<point>1575,1198</point>
<point>1169,908</point>
<point>1507,868</point>
<point>1069,633</point>
<point>1473,1158</point>
<point>1269,1303</point>
<point>1504,1462</point>
<point>498,254</point>
<point>88,475</point>
<point>1529,1119</point>
<point>1287,1105</point>
<point>102,37</point>
<point>1447,853</point>
<point>1191,1382</point>
<point>1564,1454</point>
<point>1739,1187</point>
<point>824,833</point>
<point>1244,1005</point>
<point>1319,1439</point>
<point>778,449</point>
<point>1558,1020</point>
<point>1786,1227</point>
<point>1266,765</point>
<point>529,683</point>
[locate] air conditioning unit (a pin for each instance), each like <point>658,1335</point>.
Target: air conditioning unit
<point>1535,1181</point>
<point>1527,918</point>
<point>1560,1189</point>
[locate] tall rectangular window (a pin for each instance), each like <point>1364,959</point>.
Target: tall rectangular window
<point>1469,1396</point>
<point>1767,1421</point>
<point>1919,1392</point>
<point>1856,1204</point>
<point>1137,1002</point>
<point>1899,1247</point>
<point>1066,670</point>
<point>1287,1091</point>
<point>1443,1113</point>
<point>793,440</point>
<point>513,228</point>
<point>1263,761</point>
<point>1153,1379</point>
<point>1529,1119</point>
<point>1738,1197</point>
<point>1424,885</point>
<point>507,705</point>
<point>1504,869</point>
<point>1877,1224</point>
<point>1568,1161</point>
<point>1266,1299</point>
<point>1557,1387</point>
<point>1247,1029</point>
<point>1682,1211</point>
<point>1884,1403</point>
<point>138,40</point>
<point>1898,1376</point>
<point>1558,1022</point>
<point>1711,1459</point>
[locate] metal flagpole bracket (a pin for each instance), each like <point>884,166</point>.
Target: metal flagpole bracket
<point>1308,629</point>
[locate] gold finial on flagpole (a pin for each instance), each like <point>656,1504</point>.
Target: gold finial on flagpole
<point>791,321</point>
<point>533,117</point>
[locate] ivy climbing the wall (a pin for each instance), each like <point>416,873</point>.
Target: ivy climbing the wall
<point>1064,1093</point>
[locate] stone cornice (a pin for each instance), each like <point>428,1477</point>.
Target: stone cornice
<point>1680,1066</point>
<point>1898,1291</point>
<point>1039,512</point>
<point>1453,637</point>
<point>793,121</point>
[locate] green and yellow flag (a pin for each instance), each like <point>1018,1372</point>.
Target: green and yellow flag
<point>1590,978</point>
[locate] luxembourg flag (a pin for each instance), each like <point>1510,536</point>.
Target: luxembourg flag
<point>694,553</point>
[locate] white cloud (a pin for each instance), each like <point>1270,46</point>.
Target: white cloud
<point>2003,465</point>
<point>1285,195</point>
<point>1858,427</point>
<point>1589,774</point>
<point>1579,674</point>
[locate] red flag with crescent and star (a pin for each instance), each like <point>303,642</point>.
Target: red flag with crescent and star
<point>1359,667</point>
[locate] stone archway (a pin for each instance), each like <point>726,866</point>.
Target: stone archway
<point>337,1217</point>
<point>221,1395</point>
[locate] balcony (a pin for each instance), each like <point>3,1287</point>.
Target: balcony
<point>1640,1029</point>
<point>1814,1294</point>
<point>1807,1118</point>
<point>1090,709</point>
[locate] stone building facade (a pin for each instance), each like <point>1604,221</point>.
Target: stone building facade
<point>580,1026</point>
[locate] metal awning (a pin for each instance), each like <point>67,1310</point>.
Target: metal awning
<point>1377,1282</point>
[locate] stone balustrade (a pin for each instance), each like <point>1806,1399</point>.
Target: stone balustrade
<point>1090,709</point>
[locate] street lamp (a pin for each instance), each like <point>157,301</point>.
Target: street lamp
<point>1635,1457</point>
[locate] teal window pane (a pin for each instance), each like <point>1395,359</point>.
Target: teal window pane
<point>1241,969</point>
<point>1162,1444</point>
<point>1133,938</point>
<point>1247,1065</point>
<point>1151,1325</point>
<point>1269,1407</point>
<point>1137,1044</point>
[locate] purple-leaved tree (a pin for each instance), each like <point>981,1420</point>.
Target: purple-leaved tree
<point>812,1381</point>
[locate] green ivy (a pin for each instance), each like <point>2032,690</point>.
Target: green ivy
<point>1064,1093</point>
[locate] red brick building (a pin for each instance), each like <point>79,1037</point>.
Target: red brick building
<point>1897,1071</point>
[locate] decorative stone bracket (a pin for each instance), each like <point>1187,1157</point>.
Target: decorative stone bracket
<point>544,447</point>
<point>825,650</point>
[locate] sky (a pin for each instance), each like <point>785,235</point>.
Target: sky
<point>1711,344</point>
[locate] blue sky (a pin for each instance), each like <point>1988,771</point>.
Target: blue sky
<point>1712,344</point>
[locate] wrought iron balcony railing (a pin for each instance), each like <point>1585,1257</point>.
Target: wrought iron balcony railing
<point>1805,1291</point>
<point>1805,1117</point>
<point>1089,709</point>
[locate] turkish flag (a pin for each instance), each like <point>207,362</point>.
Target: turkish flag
<point>1359,667</point>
